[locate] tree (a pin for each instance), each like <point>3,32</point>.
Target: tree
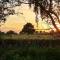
<point>28,28</point>
<point>44,6</point>
<point>46,10</point>
<point>11,32</point>
<point>2,33</point>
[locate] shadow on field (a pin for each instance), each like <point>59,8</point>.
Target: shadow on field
<point>40,43</point>
<point>29,50</point>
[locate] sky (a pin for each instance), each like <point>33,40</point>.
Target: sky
<point>17,21</point>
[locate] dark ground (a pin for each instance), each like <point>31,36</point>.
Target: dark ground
<point>29,49</point>
<point>40,43</point>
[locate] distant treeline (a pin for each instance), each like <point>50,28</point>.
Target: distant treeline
<point>28,29</point>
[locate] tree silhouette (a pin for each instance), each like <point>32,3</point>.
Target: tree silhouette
<point>2,33</point>
<point>44,6</point>
<point>11,32</point>
<point>28,28</point>
<point>46,9</point>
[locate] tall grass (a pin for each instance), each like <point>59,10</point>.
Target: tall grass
<point>23,50</point>
<point>30,36</point>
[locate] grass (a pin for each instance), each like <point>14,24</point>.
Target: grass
<point>30,36</point>
<point>23,50</point>
<point>29,47</point>
<point>31,52</point>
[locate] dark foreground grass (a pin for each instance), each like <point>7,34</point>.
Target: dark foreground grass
<point>27,50</point>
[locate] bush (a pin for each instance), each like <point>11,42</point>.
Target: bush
<point>2,33</point>
<point>11,32</point>
<point>28,28</point>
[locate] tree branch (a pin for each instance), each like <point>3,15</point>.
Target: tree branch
<point>52,12</point>
<point>53,22</point>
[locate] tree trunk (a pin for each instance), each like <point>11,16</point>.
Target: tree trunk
<point>49,13</point>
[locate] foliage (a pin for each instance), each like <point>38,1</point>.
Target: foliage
<point>2,33</point>
<point>28,28</point>
<point>44,6</point>
<point>11,32</point>
<point>46,10</point>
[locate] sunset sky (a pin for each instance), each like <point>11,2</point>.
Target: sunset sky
<point>17,21</point>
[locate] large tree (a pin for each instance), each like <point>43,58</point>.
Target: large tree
<point>46,10</point>
<point>44,6</point>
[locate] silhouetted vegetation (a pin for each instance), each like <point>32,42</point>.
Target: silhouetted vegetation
<point>2,33</point>
<point>42,46</point>
<point>29,50</point>
<point>44,6</point>
<point>28,28</point>
<point>11,32</point>
<point>46,10</point>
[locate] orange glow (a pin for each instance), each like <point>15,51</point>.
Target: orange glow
<point>17,21</point>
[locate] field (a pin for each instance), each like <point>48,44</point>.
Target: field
<point>31,36</point>
<point>29,47</point>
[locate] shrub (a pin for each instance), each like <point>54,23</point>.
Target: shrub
<point>28,28</point>
<point>11,32</point>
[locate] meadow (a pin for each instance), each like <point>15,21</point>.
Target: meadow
<point>29,47</point>
<point>40,36</point>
